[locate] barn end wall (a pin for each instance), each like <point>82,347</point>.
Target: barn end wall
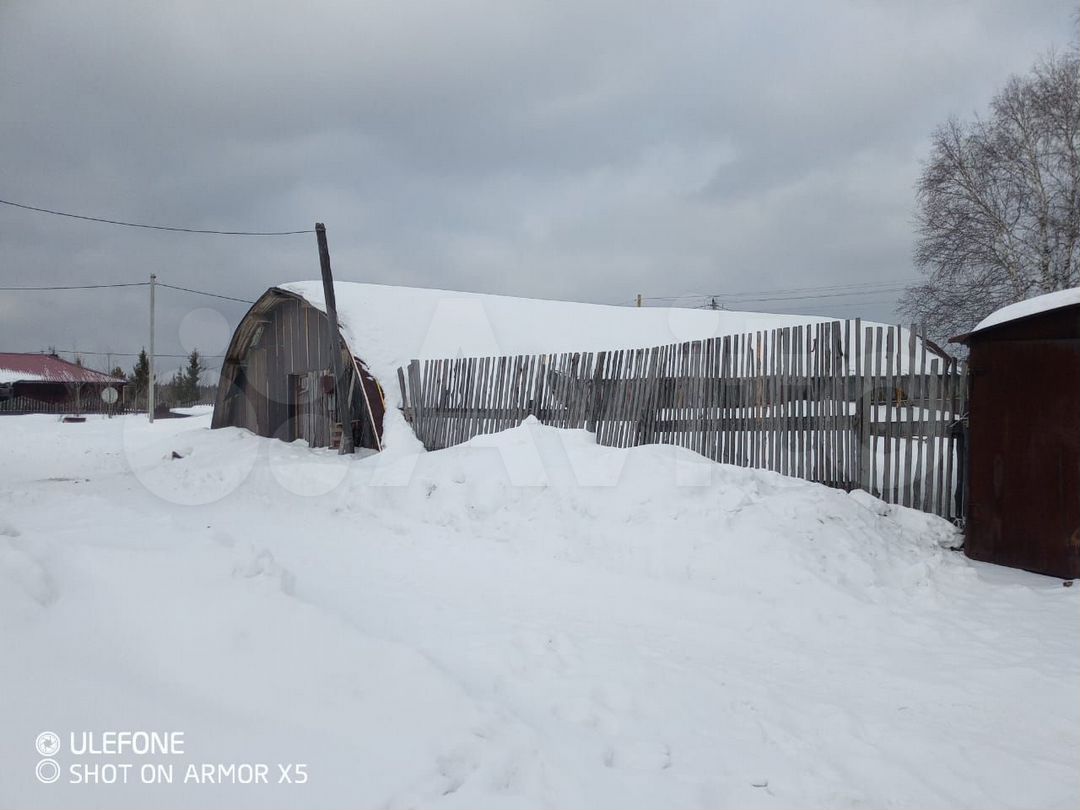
<point>282,336</point>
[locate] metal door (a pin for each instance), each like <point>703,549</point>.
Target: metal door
<point>1025,456</point>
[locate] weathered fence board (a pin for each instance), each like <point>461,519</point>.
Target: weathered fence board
<point>840,403</point>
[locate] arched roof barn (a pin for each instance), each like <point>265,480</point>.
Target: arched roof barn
<point>277,379</point>
<point>279,359</point>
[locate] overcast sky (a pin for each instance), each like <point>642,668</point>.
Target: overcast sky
<point>577,150</point>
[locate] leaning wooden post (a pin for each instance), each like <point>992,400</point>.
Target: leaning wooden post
<point>344,410</point>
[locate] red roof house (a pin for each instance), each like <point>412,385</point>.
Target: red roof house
<point>43,378</point>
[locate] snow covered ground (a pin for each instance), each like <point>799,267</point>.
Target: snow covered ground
<point>526,621</point>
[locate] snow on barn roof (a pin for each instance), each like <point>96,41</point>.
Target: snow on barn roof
<point>388,326</point>
<point>1027,308</point>
<point>24,367</point>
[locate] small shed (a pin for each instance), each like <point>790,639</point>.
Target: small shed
<point>1024,436</point>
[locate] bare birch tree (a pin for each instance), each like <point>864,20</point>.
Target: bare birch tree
<point>998,212</point>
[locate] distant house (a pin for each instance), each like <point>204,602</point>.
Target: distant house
<point>43,383</point>
<point>1024,417</point>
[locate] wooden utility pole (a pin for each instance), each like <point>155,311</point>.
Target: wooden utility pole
<point>150,381</point>
<point>344,403</point>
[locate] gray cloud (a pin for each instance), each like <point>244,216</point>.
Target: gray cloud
<point>586,151</point>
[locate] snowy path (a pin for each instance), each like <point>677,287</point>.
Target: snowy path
<point>670,641</point>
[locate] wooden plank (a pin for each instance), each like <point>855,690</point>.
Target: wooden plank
<point>502,374</point>
<point>909,433</point>
<point>622,391</point>
<point>416,397</point>
<point>897,416</point>
<point>406,408</point>
<point>723,372</point>
<point>813,378</point>
<point>466,377</point>
<point>932,452</point>
<point>626,391</point>
<point>832,445</point>
<point>939,431</point>
<point>700,357</point>
<point>773,437</point>
<point>464,384</point>
<point>528,403</point>
<point>886,485</point>
<point>847,438</point>
<point>632,400</point>
<point>521,383</point>
<point>779,401</point>
<point>746,384</point>
<point>482,419</point>
<point>425,400</point>
<point>784,432</point>
<point>799,399</point>
<point>483,409</point>
<point>865,393</point>
<point>731,395</point>
<point>608,399</point>
<point>839,404</point>
<point>446,393</point>
<point>948,408</point>
<point>760,377</point>
<point>648,432</point>
<point>835,350</point>
<point>658,396</point>
<point>712,395</point>
<point>963,381</point>
<point>490,416</point>
<point>582,364</point>
<point>432,391</point>
<point>629,383</point>
<point>918,488</point>
<point>755,402</point>
<point>747,387</point>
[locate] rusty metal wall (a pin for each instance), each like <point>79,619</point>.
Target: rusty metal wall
<point>1024,507</point>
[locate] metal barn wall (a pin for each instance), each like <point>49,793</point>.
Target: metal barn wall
<point>281,335</point>
<point>1024,416</point>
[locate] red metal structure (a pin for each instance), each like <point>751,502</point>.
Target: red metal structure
<point>1024,416</point>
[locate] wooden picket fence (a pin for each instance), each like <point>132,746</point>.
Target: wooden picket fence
<point>843,404</point>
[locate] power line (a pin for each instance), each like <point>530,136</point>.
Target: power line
<point>78,286</point>
<point>203,292</point>
<point>128,284</point>
<point>150,227</point>
<point>851,288</point>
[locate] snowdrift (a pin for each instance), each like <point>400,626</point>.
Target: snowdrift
<point>526,620</point>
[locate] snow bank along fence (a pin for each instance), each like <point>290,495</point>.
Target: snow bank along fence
<point>838,403</point>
